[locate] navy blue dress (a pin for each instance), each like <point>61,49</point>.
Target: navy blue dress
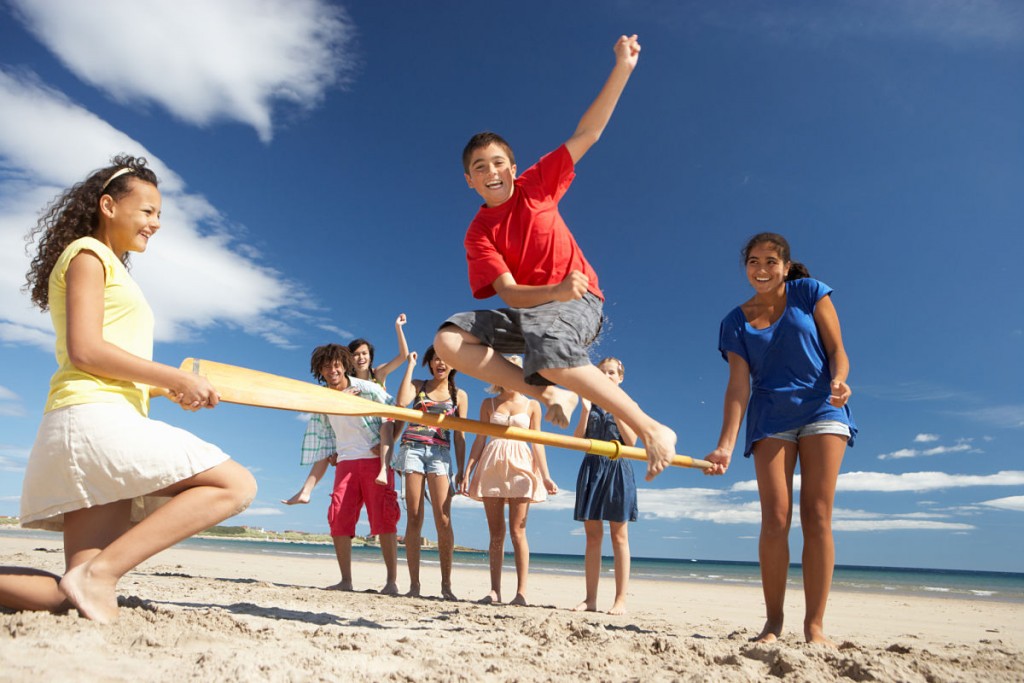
<point>605,488</point>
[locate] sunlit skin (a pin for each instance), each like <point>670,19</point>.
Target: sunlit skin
<point>491,174</point>
<point>130,221</point>
<point>361,360</point>
<point>767,271</point>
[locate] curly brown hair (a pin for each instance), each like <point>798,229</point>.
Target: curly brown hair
<point>74,214</point>
<point>329,353</point>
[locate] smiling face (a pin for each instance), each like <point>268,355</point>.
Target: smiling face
<point>766,269</point>
<point>610,369</point>
<point>361,359</point>
<point>438,368</point>
<point>126,224</point>
<point>333,373</point>
<point>491,173</point>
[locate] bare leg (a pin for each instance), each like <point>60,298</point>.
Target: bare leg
<point>414,493</point>
<point>22,588</point>
<point>197,503</point>
<point>441,500</point>
<point>590,383</point>
<point>467,354</point>
<point>316,473</point>
<point>495,511</point>
<point>518,509</point>
<point>620,547</point>
<point>774,462</point>
<point>389,550</point>
<point>594,529</point>
<point>820,458</point>
<point>343,551</point>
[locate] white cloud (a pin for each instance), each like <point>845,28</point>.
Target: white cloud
<point>926,438</point>
<point>261,512</point>
<point>563,500</point>
<point>1008,416</point>
<point>908,481</point>
<point>48,143</point>
<point>898,525</point>
<point>10,403</point>
<point>706,505</point>
<point>961,446</point>
<point>1015,503</point>
<point>202,61</point>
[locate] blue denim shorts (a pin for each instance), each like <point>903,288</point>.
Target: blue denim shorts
<point>823,427</point>
<point>552,335</point>
<point>424,458</point>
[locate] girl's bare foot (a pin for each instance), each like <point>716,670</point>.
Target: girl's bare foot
<point>300,498</point>
<point>559,404</point>
<point>390,588</point>
<point>660,443</point>
<point>770,633</point>
<point>586,606</point>
<point>343,585</point>
<point>414,591</point>
<point>618,607</point>
<point>446,592</point>
<point>94,598</point>
<point>816,635</point>
<point>492,598</point>
<point>519,600</point>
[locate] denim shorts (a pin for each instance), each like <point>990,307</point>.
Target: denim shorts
<point>424,458</point>
<point>552,335</point>
<point>823,427</point>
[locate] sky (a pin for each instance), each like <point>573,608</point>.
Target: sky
<point>309,157</point>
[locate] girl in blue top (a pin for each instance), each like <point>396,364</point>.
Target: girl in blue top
<point>787,361</point>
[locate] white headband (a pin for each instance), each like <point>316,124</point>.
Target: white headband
<point>116,173</point>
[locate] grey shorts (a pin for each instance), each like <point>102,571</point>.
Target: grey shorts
<point>552,335</point>
<point>822,427</point>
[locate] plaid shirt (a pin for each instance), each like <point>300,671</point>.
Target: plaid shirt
<point>320,440</point>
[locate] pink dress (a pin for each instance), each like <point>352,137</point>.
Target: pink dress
<point>506,468</point>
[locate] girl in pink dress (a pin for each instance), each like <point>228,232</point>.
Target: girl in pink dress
<point>504,470</point>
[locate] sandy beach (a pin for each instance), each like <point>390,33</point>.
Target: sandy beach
<point>217,616</point>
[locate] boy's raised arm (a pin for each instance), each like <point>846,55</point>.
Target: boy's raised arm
<point>627,51</point>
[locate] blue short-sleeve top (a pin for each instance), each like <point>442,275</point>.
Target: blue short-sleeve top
<point>790,376</point>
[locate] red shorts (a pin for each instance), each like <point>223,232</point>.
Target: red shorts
<point>355,486</point>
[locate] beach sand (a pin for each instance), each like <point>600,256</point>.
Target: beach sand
<point>218,616</point>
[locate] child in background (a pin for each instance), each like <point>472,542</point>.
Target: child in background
<point>508,471</point>
<point>424,459</point>
<point>100,468</point>
<point>363,353</point>
<point>519,248</point>
<point>605,491</point>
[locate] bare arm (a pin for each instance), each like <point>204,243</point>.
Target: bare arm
<point>515,295</point>
<point>382,371</point>
<point>539,454</point>
<point>581,426</point>
<point>407,391</point>
<point>737,393</point>
<point>827,320</point>
<point>459,440</point>
<point>478,448</point>
<point>90,352</point>
<point>590,127</point>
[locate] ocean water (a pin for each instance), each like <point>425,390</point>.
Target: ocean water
<point>1000,586</point>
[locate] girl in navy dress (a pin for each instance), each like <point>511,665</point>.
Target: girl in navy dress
<point>786,359</point>
<point>605,491</point>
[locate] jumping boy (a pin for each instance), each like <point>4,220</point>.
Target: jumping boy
<point>519,248</point>
<point>357,445</point>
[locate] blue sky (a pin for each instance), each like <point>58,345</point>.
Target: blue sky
<point>309,157</point>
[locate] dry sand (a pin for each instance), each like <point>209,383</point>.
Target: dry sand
<point>218,616</point>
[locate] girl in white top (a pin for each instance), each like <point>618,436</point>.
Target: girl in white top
<point>120,486</point>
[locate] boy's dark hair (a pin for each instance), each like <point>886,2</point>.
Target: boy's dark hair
<point>75,213</point>
<point>482,140</point>
<point>329,353</point>
<point>453,391</point>
<point>797,270</point>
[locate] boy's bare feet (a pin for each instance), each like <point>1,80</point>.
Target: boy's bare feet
<point>343,585</point>
<point>446,592</point>
<point>94,598</point>
<point>300,498</point>
<point>390,588</point>
<point>816,634</point>
<point>492,598</point>
<point>769,634</point>
<point>660,443</point>
<point>558,405</point>
<point>586,606</point>
<point>414,591</point>
<point>618,607</point>
<point>519,600</point>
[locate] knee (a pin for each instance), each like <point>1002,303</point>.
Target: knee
<point>815,520</point>
<point>447,341</point>
<point>243,489</point>
<point>774,523</point>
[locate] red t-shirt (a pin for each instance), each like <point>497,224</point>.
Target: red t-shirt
<point>526,236</point>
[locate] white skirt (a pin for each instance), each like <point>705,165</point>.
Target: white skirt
<point>99,453</point>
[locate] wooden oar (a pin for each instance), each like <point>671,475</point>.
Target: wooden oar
<point>255,388</point>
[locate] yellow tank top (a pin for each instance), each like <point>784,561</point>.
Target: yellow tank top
<point>127,323</point>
